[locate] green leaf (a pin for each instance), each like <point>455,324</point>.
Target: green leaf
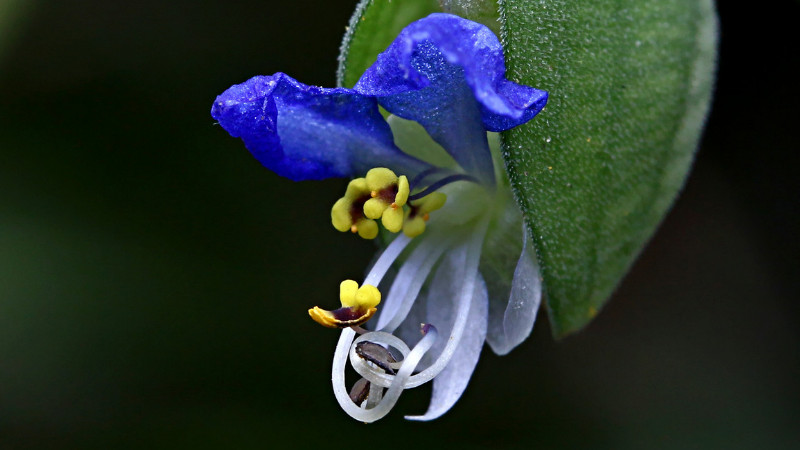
<point>596,171</point>
<point>373,26</point>
<point>482,11</point>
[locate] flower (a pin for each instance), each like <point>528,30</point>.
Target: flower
<point>459,273</point>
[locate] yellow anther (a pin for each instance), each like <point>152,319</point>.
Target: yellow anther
<point>403,189</point>
<point>356,188</point>
<point>358,305</point>
<point>342,211</point>
<point>431,203</point>
<point>413,227</point>
<point>347,213</point>
<point>374,207</point>
<point>340,215</point>
<point>380,178</point>
<point>392,219</point>
<point>368,199</point>
<point>367,228</point>
<point>347,292</point>
<point>387,192</point>
<point>414,224</point>
<point>368,296</point>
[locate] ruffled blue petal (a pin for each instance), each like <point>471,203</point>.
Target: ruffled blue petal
<point>309,133</point>
<point>448,74</point>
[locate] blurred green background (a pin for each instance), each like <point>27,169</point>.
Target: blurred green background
<point>154,277</point>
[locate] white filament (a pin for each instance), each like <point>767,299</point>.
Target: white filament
<point>386,260</point>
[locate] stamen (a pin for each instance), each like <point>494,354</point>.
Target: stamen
<point>375,396</point>
<point>386,260</point>
<point>421,178</point>
<point>371,373</point>
<point>358,305</point>
<point>410,361</point>
<point>417,215</point>
<point>469,274</point>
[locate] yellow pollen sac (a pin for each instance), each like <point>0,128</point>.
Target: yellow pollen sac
<point>414,223</point>
<point>358,305</point>
<point>374,207</point>
<point>366,228</point>
<point>403,189</point>
<point>379,195</point>
<point>356,188</point>
<point>340,215</point>
<point>380,178</point>
<point>388,192</point>
<point>414,227</point>
<point>346,213</point>
<point>392,219</point>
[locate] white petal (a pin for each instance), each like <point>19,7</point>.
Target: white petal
<point>452,381</point>
<point>509,328</point>
<point>438,304</point>
<point>409,280</point>
<point>442,300</point>
<point>467,278</point>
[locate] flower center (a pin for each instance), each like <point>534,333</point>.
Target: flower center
<point>384,361</point>
<point>383,195</point>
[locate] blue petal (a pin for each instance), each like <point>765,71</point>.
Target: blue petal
<point>309,133</point>
<point>448,74</point>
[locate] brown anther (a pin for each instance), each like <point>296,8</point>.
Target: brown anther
<point>377,355</point>
<point>426,217</point>
<point>373,194</point>
<point>360,391</point>
<point>353,229</point>
<point>394,205</point>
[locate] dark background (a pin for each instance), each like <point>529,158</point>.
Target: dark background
<point>152,272</point>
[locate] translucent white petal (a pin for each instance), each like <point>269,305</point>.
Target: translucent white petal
<point>442,301</point>
<point>452,381</point>
<point>510,327</point>
<point>409,280</point>
<point>467,274</point>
